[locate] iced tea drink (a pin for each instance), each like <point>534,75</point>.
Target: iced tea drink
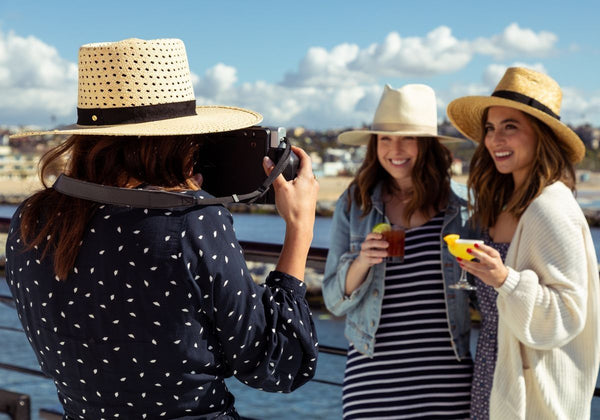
<point>395,237</point>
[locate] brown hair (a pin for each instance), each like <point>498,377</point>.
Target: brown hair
<point>490,191</point>
<point>430,178</point>
<point>56,222</point>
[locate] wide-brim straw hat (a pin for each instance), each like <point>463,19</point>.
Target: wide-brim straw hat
<point>139,87</point>
<point>409,111</point>
<point>527,90</point>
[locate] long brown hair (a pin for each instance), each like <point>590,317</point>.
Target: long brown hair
<point>56,223</point>
<point>490,191</point>
<point>430,178</point>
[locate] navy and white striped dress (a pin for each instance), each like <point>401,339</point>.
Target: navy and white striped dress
<point>414,372</point>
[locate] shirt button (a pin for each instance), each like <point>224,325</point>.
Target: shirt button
<point>372,323</point>
<point>376,293</point>
<point>366,347</point>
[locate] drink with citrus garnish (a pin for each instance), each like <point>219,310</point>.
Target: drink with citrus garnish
<point>395,236</point>
<point>458,247</point>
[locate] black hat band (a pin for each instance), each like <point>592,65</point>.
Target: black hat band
<point>526,100</point>
<point>135,114</point>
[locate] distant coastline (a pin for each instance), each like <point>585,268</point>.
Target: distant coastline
<point>13,192</point>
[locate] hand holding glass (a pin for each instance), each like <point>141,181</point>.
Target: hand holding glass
<point>458,247</point>
<point>395,236</point>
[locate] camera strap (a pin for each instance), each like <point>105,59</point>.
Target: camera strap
<point>159,199</point>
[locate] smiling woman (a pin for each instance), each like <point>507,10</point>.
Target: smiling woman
<point>403,181</point>
<point>537,275</point>
<point>510,139</point>
<point>397,155</point>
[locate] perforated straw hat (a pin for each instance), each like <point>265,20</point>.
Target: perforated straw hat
<point>141,87</point>
<point>409,111</point>
<point>526,90</point>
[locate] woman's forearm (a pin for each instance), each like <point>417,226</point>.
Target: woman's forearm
<point>294,252</point>
<point>357,273</point>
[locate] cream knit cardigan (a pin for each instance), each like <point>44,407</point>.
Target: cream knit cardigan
<point>548,328</point>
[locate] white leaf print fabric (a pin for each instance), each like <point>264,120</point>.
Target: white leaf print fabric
<point>157,311</point>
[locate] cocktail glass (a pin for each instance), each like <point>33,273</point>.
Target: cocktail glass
<point>458,247</point>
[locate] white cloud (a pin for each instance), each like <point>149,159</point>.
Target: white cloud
<point>438,52</point>
<point>516,41</point>
<point>346,64</point>
<point>329,88</point>
<point>310,106</point>
<point>580,107</point>
<point>216,79</point>
<point>320,67</point>
<point>36,83</point>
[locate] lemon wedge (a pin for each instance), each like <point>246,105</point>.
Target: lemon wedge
<point>381,227</point>
<point>451,238</point>
<point>458,247</point>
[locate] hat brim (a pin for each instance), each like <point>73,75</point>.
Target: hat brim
<point>208,119</point>
<point>466,113</point>
<point>361,137</point>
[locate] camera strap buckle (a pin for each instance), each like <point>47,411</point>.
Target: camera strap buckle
<point>155,198</point>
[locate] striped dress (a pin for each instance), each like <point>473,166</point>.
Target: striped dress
<point>414,372</point>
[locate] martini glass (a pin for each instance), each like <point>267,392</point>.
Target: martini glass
<point>458,247</point>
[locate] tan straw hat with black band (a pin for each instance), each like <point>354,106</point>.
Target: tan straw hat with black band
<point>526,90</point>
<point>141,87</point>
<point>410,111</point>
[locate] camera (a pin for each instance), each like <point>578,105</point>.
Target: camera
<point>231,162</point>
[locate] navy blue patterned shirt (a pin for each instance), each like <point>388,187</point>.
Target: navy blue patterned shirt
<point>159,309</point>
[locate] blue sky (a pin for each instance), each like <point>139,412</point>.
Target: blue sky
<point>319,64</point>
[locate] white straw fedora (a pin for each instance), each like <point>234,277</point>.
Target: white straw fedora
<point>526,90</point>
<point>408,111</point>
<point>139,87</point>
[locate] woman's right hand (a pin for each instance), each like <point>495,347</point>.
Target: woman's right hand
<point>372,251</point>
<point>296,200</point>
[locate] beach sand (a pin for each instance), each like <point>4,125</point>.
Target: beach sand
<point>19,187</point>
<point>331,187</point>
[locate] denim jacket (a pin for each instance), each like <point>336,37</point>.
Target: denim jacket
<point>363,307</point>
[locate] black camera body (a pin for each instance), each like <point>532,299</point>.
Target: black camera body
<point>231,162</point>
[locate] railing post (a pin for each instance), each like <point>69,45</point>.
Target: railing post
<point>17,406</point>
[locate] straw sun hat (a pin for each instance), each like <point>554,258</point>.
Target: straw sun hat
<point>409,111</point>
<point>141,87</point>
<point>526,90</point>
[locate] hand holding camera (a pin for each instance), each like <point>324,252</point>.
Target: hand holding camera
<point>296,201</point>
<point>230,162</point>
